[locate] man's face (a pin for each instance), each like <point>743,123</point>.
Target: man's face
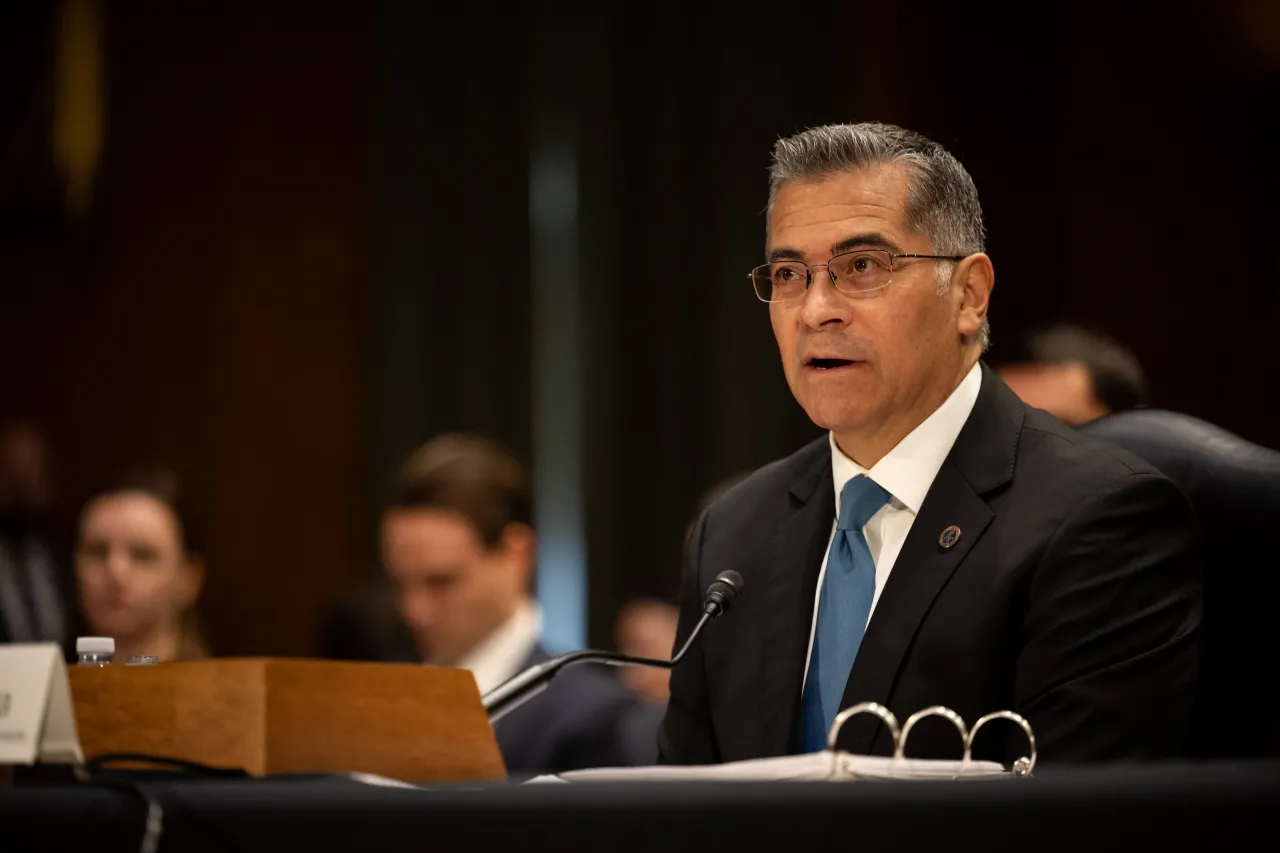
<point>647,629</point>
<point>1063,390</point>
<point>900,347</point>
<point>452,590</point>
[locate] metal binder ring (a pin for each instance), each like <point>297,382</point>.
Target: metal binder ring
<point>863,708</point>
<point>932,711</point>
<point>1021,767</point>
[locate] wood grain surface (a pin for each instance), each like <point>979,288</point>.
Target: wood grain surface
<point>403,721</point>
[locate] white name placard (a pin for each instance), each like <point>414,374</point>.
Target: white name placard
<point>37,722</point>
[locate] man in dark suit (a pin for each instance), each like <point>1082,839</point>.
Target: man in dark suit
<point>458,544</point>
<point>31,599</point>
<point>944,544</point>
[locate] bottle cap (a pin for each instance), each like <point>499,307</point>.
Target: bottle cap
<point>95,645</point>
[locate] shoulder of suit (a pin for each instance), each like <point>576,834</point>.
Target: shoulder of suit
<point>576,695</point>
<point>1046,440</point>
<point>776,477</point>
<point>589,688</point>
<point>584,680</point>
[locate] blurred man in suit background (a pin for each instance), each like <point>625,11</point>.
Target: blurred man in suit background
<point>647,628</point>
<point>458,543</point>
<point>31,601</point>
<point>1075,373</point>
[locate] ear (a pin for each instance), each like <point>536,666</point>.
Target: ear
<point>191,580</point>
<point>519,546</point>
<point>971,287</point>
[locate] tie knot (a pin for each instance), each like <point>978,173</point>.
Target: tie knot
<point>860,499</point>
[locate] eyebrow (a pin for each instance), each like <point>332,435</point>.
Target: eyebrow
<point>871,240</point>
<point>785,255</point>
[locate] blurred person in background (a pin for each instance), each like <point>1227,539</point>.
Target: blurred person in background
<point>139,569</point>
<point>31,602</point>
<point>363,623</point>
<point>459,544</point>
<point>1075,374</point>
<point>646,628</point>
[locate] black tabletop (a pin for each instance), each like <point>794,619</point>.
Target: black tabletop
<point>1152,807</point>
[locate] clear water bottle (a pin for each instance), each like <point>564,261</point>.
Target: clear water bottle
<point>95,651</point>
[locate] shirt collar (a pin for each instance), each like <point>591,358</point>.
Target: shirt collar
<point>908,470</point>
<point>501,654</point>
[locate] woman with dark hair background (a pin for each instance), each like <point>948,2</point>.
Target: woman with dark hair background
<point>139,569</point>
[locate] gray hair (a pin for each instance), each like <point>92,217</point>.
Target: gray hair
<point>941,204</point>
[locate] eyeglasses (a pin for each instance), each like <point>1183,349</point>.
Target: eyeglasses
<point>861,273</point>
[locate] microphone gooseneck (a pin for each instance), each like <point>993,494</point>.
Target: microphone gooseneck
<point>514,692</point>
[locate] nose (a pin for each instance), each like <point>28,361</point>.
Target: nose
<point>117,564</point>
<point>822,304</point>
<point>420,610</point>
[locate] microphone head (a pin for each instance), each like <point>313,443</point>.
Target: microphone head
<point>723,592</point>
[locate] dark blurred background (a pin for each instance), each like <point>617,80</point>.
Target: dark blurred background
<point>278,245</point>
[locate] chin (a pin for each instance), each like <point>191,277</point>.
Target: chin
<point>837,418</point>
<point>839,407</point>
<point>117,628</point>
<point>436,655</point>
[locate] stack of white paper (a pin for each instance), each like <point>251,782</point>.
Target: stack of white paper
<point>815,767</point>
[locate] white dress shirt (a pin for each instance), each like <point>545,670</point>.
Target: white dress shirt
<point>906,472</point>
<point>501,654</point>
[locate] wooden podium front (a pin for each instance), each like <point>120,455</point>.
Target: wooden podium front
<point>404,721</point>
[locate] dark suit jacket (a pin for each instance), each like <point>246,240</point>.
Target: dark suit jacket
<point>576,723</point>
<point>640,732</point>
<point>1072,597</point>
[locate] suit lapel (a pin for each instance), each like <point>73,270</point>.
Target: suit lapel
<point>980,461</point>
<point>794,562</point>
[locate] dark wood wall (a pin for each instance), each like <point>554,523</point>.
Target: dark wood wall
<point>209,315</point>
<point>1125,161</point>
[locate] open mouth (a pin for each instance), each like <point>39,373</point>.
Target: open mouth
<point>829,363</point>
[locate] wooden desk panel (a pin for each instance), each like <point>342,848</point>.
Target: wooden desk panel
<point>265,715</point>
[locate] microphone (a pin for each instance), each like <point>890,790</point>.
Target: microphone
<point>517,690</point>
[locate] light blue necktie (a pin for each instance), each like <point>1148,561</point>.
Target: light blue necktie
<point>848,587</point>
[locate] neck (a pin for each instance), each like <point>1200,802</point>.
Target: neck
<point>871,443</point>
<point>163,642</point>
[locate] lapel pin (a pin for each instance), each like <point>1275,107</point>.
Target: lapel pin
<point>949,537</point>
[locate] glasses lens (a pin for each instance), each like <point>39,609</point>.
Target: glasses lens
<point>780,281</point>
<point>861,272</point>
